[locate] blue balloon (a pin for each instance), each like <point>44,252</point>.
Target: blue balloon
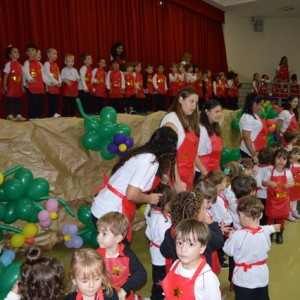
<point>119,138</point>
<point>64,230</point>
<point>76,241</point>
<point>72,229</point>
<point>129,142</point>
<point>112,148</point>
<point>68,244</point>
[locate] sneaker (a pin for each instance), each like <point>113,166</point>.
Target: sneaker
<point>56,115</point>
<point>225,265</point>
<point>20,118</point>
<point>290,218</point>
<point>295,214</point>
<point>11,118</point>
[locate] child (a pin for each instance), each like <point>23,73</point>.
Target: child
<point>89,276</point>
<point>98,79</point>
<point>85,85</point>
<point>264,164</point>
<point>160,87</point>
<point>255,83</point>
<point>233,90</point>
<point>173,82</point>
<point>51,71</point>
<point>186,58</point>
<point>148,87</point>
<point>249,247</point>
<point>290,140</point>
<point>263,84</point>
<point>34,83</point>
<point>69,88</point>
<point>191,77</point>
<point>115,83</point>
<point>247,165</point>
<point>126,270</point>
<point>12,84</point>
<point>190,276</point>
<point>140,94</point>
<point>295,191</point>
<point>220,89</point>
<point>181,77</point>
<point>208,84</point>
<point>41,277</point>
<point>278,181</point>
<point>130,89</point>
<point>295,88</point>
<point>201,88</point>
<point>158,221</point>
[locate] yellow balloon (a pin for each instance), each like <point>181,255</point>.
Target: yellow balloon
<point>1,178</point>
<point>143,208</point>
<point>122,147</point>
<point>17,240</point>
<point>30,230</point>
<point>53,215</point>
<point>67,238</point>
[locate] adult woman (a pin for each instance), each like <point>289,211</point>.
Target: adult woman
<point>253,128</point>
<point>282,70</point>
<point>211,144</point>
<point>183,118</point>
<point>135,174</point>
<point>288,118</point>
<point>117,53</point>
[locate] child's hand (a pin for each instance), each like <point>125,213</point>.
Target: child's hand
<point>180,186</point>
<point>68,82</point>
<point>207,220</point>
<point>289,185</point>
<point>58,85</point>
<point>272,184</point>
<point>154,198</point>
<point>122,294</point>
<point>254,171</point>
<point>15,288</point>
<point>277,227</point>
<point>32,80</point>
<point>225,227</point>
<point>86,91</point>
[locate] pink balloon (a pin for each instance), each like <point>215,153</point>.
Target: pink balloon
<point>44,215</point>
<point>45,223</point>
<point>52,205</point>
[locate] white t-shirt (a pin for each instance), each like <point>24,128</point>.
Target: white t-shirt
<point>205,145</point>
<point>249,248</point>
<point>286,117</point>
<point>69,74</point>
<point>207,285</point>
<point>172,118</point>
<point>220,212</point>
<point>232,206</point>
<point>139,171</point>
<point>249,123</point>
<point>261,171</point>
<point>157,225</point>
<point>51,79</point>
<point>289,175</point>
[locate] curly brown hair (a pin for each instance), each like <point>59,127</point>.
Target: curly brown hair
<point>42,277</point>
<point>187,205</point>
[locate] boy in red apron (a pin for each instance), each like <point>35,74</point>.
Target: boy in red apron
<point>148,87</point>
<point>191,277</point>
<point>160,87</point>
<point>140,94</point>
<point>126,270</point>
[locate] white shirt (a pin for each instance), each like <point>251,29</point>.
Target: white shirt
<point>94,74</point>
<point>139,171</point>
<point>261,171</point>
<point>248,248</point>
<point>205,144</point>
<point>190,77</point>
<point>289,175</point>
<point>69,74</point>
<point>27,76</point>
<point>51,79</point>
<point>286,117</point>
<point>232,206</point>
<point>154,80</point>
<point>82,72</point>
<point>220,212</point>
<point>249,123</point>
<point>107,81</point>
<point>12,296</point>
<point>207,285</point>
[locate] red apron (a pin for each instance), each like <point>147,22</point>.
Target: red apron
<point>186,155</point>
<point>88,79</point>
<point>179,287</point>
<point>129,85</point>
<point>99,295</point>
<point>295,191</point>
<point>174,86</point>
<point>181,82</point>
<point>150,86</point>
<point>261,139</point>
<point>139,83</point>
<point>14,80</point>
<point>100,88</point>
<point>54,70</point>
<point>211,161</point>
<point>115,84</point>
<point>283,73</point>
<point>209,89</point>
<point>293,126</point>
<point>70,90</point>
<point>118,268</point>
<point>263,88</point>
<point>35,70</point>
<point>161,80</point>
<point>295,91</point>
<point>278,200</point>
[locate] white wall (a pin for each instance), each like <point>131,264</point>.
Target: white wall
<point>249,52</point>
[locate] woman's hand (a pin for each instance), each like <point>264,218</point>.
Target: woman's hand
<point>180,186</point>
<point>272,184</point>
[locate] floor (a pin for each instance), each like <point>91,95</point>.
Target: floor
<point>284,264</point>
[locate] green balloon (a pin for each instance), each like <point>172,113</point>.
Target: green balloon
<point>108,113</point>
<point>3,197</point>
<point>91,140</point>
<point>38,188</point>
<point>2,210</point>
<point>93,239</point>
<point>271,139</point>
<point>34,218</point>
<point>235,124</point>
<point>24,176</point>
<point>1,238</point>
<point>123,128</point>
<point>84,214</point>
<point>239,113</point>
<point>9,276</point>
<point>91,124</point>
<point>104,151</point>
<point>235,154</point>
<point>272,114</point>
<point>268,108</point>
<point>106,129</point>
<point>13,189</point>
<point>10,213</point>
<point>24,208</point>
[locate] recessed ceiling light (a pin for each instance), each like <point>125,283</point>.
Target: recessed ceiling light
<point>287,8</point>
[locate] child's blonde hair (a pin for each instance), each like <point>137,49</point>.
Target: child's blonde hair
<point>69,55</point>
<point>114,221</point>
<point>89,263</point>
<point>232,170</point>
<point>246,163</point>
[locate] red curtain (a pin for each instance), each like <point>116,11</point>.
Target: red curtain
<point>152,31</point>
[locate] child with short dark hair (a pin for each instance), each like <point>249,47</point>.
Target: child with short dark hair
<point>249,247</point>
<point>190,276</point>
<point>173,82</point>
<point>140,94</point>
<point>130,89</point>
<point>160,87</point>
<point>290,138</point>
<point>126,270</point>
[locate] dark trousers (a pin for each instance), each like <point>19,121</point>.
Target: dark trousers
<point>69,106</point>
<point>264,218</point>
<point>97,104</point>
<point>85,99</point>
<point>242,293</point>
<point>36,105</point>
<point>13,105</point>
<point>244,154</point>
<point>160,101</point>
<point>117,104</point>
<point>158,274</point>
<point>52,103</point>
<point>149,102</point>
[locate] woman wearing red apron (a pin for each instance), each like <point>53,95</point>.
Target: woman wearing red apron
<point>295,191</point>
<point>211,144</point>
<point>283,76</point>
<point>288,118</point>
<point>252,127</point>
<point>278,180</point>
<point>183,118</point>
<point>135,174</point>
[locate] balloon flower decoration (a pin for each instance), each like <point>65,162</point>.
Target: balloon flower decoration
<point>104,134</point>
<point>227,155</point>
<point>72,240</point>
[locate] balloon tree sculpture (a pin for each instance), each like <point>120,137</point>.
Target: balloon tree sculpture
<point>104,134</point>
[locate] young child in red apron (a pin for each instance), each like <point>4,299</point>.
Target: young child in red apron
<point>278,180</point>
<point>126,270</point>
<point>295,191</point>
<point>90,277</point>
<point>190,276</point>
